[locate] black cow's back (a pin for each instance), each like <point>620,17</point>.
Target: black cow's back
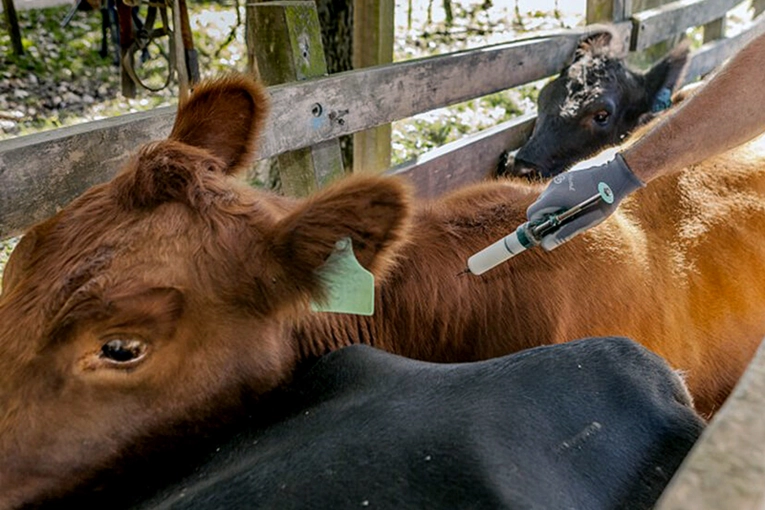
<point>593,424</point>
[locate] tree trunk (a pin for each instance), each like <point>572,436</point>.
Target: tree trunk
<point>13,26</point>
<point>336,20</point>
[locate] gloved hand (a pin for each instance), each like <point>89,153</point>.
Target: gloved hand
<point>573,187</point>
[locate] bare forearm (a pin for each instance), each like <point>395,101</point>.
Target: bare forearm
<point>726,112</point>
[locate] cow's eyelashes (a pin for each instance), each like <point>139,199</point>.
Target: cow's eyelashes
<point>123,350</point>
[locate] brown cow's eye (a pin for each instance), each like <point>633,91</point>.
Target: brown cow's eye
<point>601,117</point>
<point>123,351</point>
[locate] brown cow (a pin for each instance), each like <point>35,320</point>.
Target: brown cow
<point>172,292</point>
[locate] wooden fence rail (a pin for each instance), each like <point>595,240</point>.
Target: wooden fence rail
<point>709,56</point>
<point>656,25</point>
<point>41,173</point>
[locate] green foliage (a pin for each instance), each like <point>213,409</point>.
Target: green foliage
<point>411,137</point>
<point>61,79</point>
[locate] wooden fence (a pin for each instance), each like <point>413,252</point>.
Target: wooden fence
<point>41,173</point>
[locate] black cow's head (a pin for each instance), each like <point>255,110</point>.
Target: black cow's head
<point>594,103</point>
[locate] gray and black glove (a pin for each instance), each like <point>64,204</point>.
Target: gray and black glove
<point>573,187</point>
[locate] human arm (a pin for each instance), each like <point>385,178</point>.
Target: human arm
<point>728,111</point>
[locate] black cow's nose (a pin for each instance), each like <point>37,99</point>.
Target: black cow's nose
<point>511,165</point>
<point>506,163</point>
<point>524,168</point>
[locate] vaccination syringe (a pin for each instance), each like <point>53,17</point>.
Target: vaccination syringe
<point>528,234</point>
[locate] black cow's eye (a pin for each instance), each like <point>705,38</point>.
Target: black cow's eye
<point>123,351</point>
<point>601,117</point>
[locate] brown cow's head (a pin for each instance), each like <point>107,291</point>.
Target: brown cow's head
<point>164,294</point>
<point>593,104</point>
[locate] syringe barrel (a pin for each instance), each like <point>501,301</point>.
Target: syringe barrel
<point>494,254</point>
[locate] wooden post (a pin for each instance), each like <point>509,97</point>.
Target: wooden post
<point>190,54</point>
<point>657,51</point>
<point>605,11</point>
<point>373,31</point>
<point>284,45</point>
<point>714,30</point>
<point>13,26</point>
<point>126,40</point>
<point>177,47</point>
<point>336,20</point>
<point>758,7</point>
<point>726,467</point>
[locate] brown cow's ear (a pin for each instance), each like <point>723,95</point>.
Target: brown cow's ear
<point>224,117</point>
<point>372,211</point>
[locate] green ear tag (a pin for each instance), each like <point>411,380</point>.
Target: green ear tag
<point>350,287</point>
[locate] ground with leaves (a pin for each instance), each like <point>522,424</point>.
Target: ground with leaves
<point>61,79</point>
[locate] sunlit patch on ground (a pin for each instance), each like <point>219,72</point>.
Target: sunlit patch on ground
<point>6,247</point>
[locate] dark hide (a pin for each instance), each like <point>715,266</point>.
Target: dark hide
<point>600,423</point>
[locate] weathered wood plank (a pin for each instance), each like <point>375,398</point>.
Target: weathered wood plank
<point>726,468</point>
<point>41,173</point>
<point>711,55</point>
<point>287,47</point>
<point>623,9</point>
<point>470,159</point>
<point>603,11</point>
<point>358,100</point>
<point>373,35</point>
<point>127,35</point>
<point>651,55</point>
<point>714,30</point>
<point>655,25</point>
<point>758,7</point>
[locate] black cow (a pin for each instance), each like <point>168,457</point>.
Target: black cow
<point>594,103</point>
<point>593,424</point>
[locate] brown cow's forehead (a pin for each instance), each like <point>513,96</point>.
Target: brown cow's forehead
<point>101,244</point>
<point>96,238</point>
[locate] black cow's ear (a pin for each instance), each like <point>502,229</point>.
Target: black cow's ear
<point>667,75</point>
<point>594,44</point>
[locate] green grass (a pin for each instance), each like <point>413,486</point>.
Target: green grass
<point>414,136</point>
